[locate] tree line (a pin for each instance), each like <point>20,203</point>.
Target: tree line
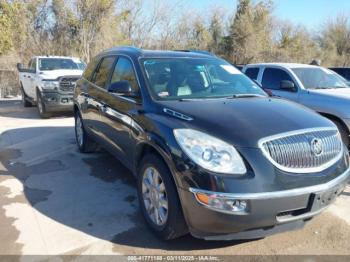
<point>248,33</point>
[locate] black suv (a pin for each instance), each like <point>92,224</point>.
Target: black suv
<point>212,153</point>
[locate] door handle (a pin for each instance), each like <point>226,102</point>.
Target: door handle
<point>103,108</point>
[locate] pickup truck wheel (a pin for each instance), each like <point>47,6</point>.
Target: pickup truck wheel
<point>158,198</point>
<point>344,133</point>
<point>41,106</point>
<point>25,102</point>
<point>84,141</point>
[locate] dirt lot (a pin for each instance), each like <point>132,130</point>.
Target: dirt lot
<point>54,200</point>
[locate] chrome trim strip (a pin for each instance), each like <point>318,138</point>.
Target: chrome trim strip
<point>177,114</point>
<point>280,194</point>
<point>293,133</point>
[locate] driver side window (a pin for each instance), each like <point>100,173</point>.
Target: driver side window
<point>272,78</point>
<point>124,71</point>
<point>32,65</point>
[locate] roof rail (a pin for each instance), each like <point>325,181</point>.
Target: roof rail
<point>130,48</point>
<point>196,51</point>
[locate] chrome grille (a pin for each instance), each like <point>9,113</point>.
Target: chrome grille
<point>67,84</point>
<point>303,151</point>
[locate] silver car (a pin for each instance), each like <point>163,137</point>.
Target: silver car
<point>316,87</point>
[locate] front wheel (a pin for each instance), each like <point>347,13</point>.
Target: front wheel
<point>25,101</point>
<point>158,198</point>
<point>41,106</point>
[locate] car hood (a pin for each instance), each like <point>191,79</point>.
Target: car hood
<point>53,74</point>
<point>334,92</point>
<point>244,121</point>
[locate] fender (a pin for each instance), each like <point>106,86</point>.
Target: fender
<point>153,142</point>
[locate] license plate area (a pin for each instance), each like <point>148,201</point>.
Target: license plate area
<point>325,198</point>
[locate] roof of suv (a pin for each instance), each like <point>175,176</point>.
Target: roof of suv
<point>137,52</point>
<point>51,56</point>
<point>285,65</point>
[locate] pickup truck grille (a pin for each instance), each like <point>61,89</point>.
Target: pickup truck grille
<point>67,84</point>
<point>303,151</point>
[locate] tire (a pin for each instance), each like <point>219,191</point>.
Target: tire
<point>171,223</point>
<point>25,101</point>
<point>344,133</point>
<point>41,106</point>
<point>85,143</point>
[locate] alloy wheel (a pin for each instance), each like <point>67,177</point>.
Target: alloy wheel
<point>40,105</point>
<point>79,130</point>
<point>154,196</point>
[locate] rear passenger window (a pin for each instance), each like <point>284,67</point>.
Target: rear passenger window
<point>102,73</point>
<point>125,71</point>
<point>272,78</point>
<point>90,68</point>
<point>252,73</point>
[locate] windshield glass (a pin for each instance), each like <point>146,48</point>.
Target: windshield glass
<point>81,65</point>
<point>58,63</point>
<point>191,78</point>
<point>319,78</point>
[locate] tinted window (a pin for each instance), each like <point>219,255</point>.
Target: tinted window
<point>124,71</point>
<point>47,64</point>
<point>181,78</point>
<point>90,69</point>
<point>344,72</point>
<point>101,74</point>
<point>252,72</point>
<point>272,78</point>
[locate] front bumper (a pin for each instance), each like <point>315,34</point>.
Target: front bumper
<point>58,102</point>
<point>267,212</point>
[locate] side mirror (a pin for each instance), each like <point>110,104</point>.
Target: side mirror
<point>20,67</point>
<point>122,88</point>
<point>287,85</point>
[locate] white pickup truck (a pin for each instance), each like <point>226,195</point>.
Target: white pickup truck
<point>48,82</point>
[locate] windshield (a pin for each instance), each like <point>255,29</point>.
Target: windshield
<point>191,78</point>
<point>59,63</point>
<point>319,78</point>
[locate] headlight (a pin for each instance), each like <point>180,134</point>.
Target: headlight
<point>209,152</point>
<point>47,84</point>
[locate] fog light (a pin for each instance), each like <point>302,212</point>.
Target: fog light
<point>50,99</point>
<point>222,203</point>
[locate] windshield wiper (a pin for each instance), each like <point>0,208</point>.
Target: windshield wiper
<point>245,95</point>
<point>329,87</point>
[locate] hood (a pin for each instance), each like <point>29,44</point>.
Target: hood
<point>53,74</point>
<point>334,92</point>
<point>244,121</point>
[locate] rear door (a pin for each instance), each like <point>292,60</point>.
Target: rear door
<point>271,81</point>
<point>118,115</point>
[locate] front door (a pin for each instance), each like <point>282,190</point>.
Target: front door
<point>118,115</point>
<point>271,80</point>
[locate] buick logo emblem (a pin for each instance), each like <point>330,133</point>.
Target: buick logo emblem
<point>316,146</point>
